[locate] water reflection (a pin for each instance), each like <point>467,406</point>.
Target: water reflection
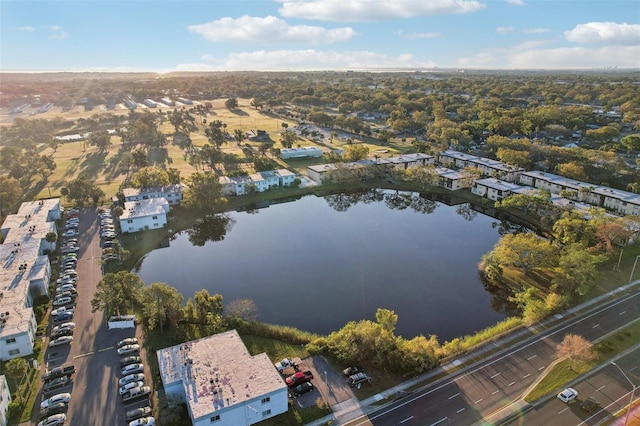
<point>211,228</point>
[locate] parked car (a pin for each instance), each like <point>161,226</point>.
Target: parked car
<point>72,294</point>
<point>128,349</point>
<point>55,399</point>
<point>132,368</point>
<point>131,378</point>
<point>132,359</point>
<point>60,289</point>
<point>63,317</point>
<point>57,383</point>
<point>55,420</point>
<point>125,388</point>
<point>66,325</point>
<point>61,333</point>
<point>66,370</point>
<point>350,371</point>
<point>136,393</point>
<point>62,301</point>
<point>61,310</point>
<point>64,340</point>
<point>568,395</point>
<point>302,388</point>
<point>59,408</point>
<point>138,413</point>
<point>298,378</point>
<point>70,233</point>
<point>282,365</point>
<point>359,378</point>
<point>127,341</point>
<point>144,421</point>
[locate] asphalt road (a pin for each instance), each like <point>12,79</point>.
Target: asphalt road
<point>607,386</point>
<point>94,392</point>
<point>482,390</point>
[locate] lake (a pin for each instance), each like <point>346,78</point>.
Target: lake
<point>318,262</point>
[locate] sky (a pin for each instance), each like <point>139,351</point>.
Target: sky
<point>295,35</point>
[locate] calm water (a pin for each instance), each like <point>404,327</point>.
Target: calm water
<point>317,263</point>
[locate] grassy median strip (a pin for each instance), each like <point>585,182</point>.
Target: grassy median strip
<point>561,374</point>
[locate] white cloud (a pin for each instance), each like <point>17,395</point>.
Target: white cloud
<point>505,30</point>
<point>576,57</point>
<point>27,28</point>
<point>308,59</point>
<point>268,30</point>
<point>535,30</point>
<point>374,10</point>
<point>609,32</point>
<point>55,27</point>
<point>516,2</point>
<point>484,59</point>
<point>413,35</point>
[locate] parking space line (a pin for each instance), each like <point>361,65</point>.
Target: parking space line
<point>511,384</point>
<point>560,412</point>
<point>107,349</point>
<point>407,419</point>
<point>439,421</point>
<point>478,401</point>
<point>453,396</point>
<point>531,357</point>
<point>526,375</point>
<point>83,355</point>
<point>495,375</point>
<point>600,388</point>
<point>460,410</point>
<point>495,391</point>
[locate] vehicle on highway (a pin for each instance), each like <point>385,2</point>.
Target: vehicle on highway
<point>69,325</point>
<point>55,420</point>
<point>57,383</point>
<point>127,341</point>
<point>64,340</point>
<point>132,368</point>
<point>590,405</point>
<point>131,378</point>
<point>138,413</point>
<point>568,395</point>
<point>359,378</point>
<point>125,388</point>
<point>58,408</point>
<point>302,389</point>
<point>145,421</point>
<point>128,349</point>
<point>132,359</point>
<point>56,399</point>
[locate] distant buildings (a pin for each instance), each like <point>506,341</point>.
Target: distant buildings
<point>24,273</point>
<point>172,193</point>
<point>260,181</point>
<point>221,383</point>
<point>307,151</point>
<point>185,101</point>
<point>150,103</point>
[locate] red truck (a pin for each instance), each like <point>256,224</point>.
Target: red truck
<point>298,378</point>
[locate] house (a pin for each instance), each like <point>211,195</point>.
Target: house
<point>25,273</point>
<point>5,400</point>
<point>144,215</point>
<point>302,152</point>
<point>452,179</point>
<point>220,382</point>
<point>172,193</point>
<point>319,173</point>
<point>234,185</point>
<point>493,189</point>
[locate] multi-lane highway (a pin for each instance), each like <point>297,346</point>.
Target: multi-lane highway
<point>478,393</point>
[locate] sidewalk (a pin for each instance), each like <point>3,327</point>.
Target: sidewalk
<point>352,409</point>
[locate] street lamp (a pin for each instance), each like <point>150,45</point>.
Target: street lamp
<point>634,268</point>
<point>633,391</point>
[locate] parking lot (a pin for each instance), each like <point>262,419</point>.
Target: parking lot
<point>94,388</point>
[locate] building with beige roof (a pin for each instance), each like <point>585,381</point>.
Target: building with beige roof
<point>220,382</point>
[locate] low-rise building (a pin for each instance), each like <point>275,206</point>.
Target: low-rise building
<point>488,167</point>
<point>302,152</point>
<point>144,215</point>
<point>25,273</point>
<point>220,382</point>
<point>5,400</point>
<point>493,189</point>
<point>259,181</point>
<point>171,193</point>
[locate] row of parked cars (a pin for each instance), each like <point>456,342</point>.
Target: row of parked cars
<point>108,235</point>
<point>132,387</point>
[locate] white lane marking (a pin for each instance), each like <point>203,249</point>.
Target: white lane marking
<point>511,384</point>
<point>83,355</point>
<point>454,395</point>
<point>406,420</point>
<point>107,349</point>
<point>542,368</point>
<point>439,421</point>
<point>560,412</point>
<point>531,357</point>
<point>478,401</point>
<point>526,375</point>
<point>460,410</point>
<point>495,375</point>
<point>600,388</point>
<point>495,391</point>
<point>596,326</point>
<point>622,313</point>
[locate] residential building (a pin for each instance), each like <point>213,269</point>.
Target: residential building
<point>319,172</point>
<point>409,161</point>
<point>493,189</point>
<point>452,179</point>
<point>5,400</point>
<point>488,167</point>
<point>25,273</point>
<point>220,382</point>
<point>260,181</point>
<point>144,215</point>
<point>172,193</point>
<point>305,151</point>
<point>150,103</point>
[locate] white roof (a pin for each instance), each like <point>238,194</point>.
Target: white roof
<point>144,208</point>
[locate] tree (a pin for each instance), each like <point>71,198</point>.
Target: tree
<point>161,303</point>
<point>575,348</point>
<point>16,368</point>
<point>287,139</point>
<point>525,251</point>
<point>10,193</point>
<point>203,192</point>
<point>205,303</point>
<point>631,142</point>
<point>242,308</point>
<point>81,189</point>
<point>355,152</point>
<point>257,103</point>
<point>116,291</point>
<point>51,238</point>
<point>231,103</point>
<point>577,270</point>
<point>100,139</point>
<point>239,136</point>
<point>150,176</point>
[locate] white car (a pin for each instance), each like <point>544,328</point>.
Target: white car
<point>138,377</point>
<point>145,421</point>
<point>127,341</point>
<point>54,420</point>
<point>55,399</point>
<point>128,349</point>
<point>64,340</point>
<point>132,368</point>
<point>70,233</point>
<point>62,301</point>
<point>125,388</point>
<point>61,310</point>
<point>64,326</point>
<point>568,395</point>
